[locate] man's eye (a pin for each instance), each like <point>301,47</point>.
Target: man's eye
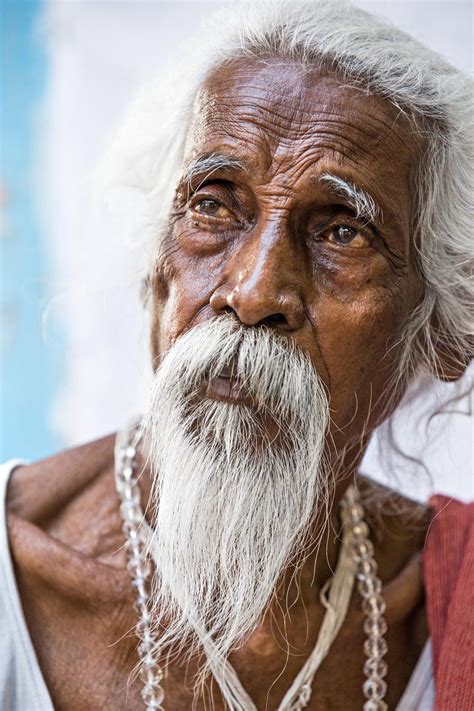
<point>348,236</point>
<point>212,208</point>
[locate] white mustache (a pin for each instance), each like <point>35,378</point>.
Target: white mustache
<point>223,346</point>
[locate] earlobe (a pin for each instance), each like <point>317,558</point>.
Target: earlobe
<point>154,341</point>
<point>451,359</point>
<point>145,291</point>
<point>451,366</point>
<point>153,293</point>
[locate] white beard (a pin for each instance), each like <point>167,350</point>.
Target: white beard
<point>234,504</point>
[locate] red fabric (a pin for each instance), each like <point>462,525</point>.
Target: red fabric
<point>448,569</point>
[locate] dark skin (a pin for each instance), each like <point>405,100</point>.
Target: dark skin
<point>274,245</point>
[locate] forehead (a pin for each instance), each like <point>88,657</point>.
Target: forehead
<point>283,118</point>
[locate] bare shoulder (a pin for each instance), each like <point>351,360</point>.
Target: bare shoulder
<point>398,527</point>
<point>395,517</point>
<point>64,522</point>
<point>38,491</point>
<point>71,498</point>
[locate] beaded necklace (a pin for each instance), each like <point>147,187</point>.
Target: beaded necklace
<point>356,560</point>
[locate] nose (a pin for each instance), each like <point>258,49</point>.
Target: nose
<point>263,281</point>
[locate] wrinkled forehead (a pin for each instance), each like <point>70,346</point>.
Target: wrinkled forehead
<point>279,112</point>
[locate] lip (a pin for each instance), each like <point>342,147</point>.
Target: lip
<point>227,389</point>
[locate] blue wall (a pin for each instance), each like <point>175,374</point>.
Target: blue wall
<point>29,366</point>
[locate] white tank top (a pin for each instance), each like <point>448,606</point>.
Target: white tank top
<point>22,687</point>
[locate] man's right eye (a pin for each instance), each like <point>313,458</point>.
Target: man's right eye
<point>211,208</point>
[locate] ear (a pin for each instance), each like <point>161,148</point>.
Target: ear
<point>452,359</point>
<point>146,297</point>
<point>148,294</point>
<point>145,290</point>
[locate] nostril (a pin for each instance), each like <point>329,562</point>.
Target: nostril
<point>273,321</point>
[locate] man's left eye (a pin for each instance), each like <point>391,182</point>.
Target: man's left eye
<point>212,208</point>
<point>348,236</point>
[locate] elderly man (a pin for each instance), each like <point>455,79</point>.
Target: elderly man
<point>310,194</point>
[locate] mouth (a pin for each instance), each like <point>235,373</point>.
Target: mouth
<point>227,388</point>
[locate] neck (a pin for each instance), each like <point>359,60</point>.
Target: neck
<point>320,563</point>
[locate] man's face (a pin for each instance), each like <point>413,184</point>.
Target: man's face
<point>263,233</point>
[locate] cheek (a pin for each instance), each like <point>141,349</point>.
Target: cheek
<point>351,275</point>
<point>181,296</point>
<point>355,339</point>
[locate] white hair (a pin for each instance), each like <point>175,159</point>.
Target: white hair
<point>238,499</point>
<point>365,51</point>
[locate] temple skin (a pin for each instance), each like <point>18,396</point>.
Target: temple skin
<point>263,243</point>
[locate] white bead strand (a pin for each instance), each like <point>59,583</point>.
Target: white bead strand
<point>373,605</point>
<point>139,567</point>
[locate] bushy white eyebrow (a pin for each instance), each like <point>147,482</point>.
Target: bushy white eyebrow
<point>364,204</point>
<point>206,165</point>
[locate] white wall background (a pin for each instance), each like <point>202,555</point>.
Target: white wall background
<point>100,53</point>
